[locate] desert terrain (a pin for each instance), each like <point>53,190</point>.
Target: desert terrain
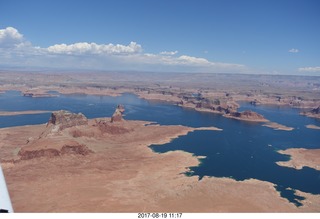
<point>72,164</point>
<point>301,157</point>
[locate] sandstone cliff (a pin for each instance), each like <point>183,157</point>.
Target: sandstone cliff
<point>65,131</point>
<point>109,127</point>
<point>41,149</point>
<point>118,114</point>
<point>63,119</point>
<point>314,113</point>
<point>55,139</point>
<point>316,110</point>
<point>247,115</point>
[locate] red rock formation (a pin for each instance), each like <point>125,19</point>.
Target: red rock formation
<point>110,128</point>
<point>247,115</point>
<point>78,149</point>
<point>31,154</point>
<point>316,110</point>
<point>314,113</point>
<point>68,148</point>
<point>52,141</point>
<point>77,133</point>
<point>118,114</point>
<point>65,119</point>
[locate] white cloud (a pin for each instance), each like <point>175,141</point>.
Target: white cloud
<point>293,50</point>
<point>189,60</point>
<point>10,37</point>
<point>15,50</point>
<point>169,53</point>
<point>93,48</point>
<point>183,63</point>
<point>309,69</point>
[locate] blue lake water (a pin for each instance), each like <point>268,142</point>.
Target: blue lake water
<point>243,150</point>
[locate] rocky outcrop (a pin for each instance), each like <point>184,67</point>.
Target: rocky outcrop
<point>110,128</point>
<point>64,119</point>
<point>314,113</point>
<point>247,115</point>
<point>209,105</point>
<point>62,130</point>
<point>255,102</point>
<point>27,155</point>
<point>68,148</point>
<point>77,133</point>
<point>78,149</point>
<point>118,114</point>
<point>315,110</point>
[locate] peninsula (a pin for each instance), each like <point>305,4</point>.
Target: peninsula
<point>301,157</point>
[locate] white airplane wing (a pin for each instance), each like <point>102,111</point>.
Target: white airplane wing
<point>5,202</point>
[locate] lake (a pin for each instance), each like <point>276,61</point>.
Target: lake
<point>243,150</point>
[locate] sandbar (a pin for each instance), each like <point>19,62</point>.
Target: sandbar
<point>277,126</point>
<point>312,126</point>
<point>208,128</point>
<point>311,115</point>
<point>14,113</point>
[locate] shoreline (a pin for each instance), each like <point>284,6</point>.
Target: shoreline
<point>40,91</point>
<point>115,175</point>
<point>301,157</point>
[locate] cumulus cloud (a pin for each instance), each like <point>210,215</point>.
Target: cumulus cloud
<point>184,63</point>
<point>93,48</point>
<point>15,50</point>
<point>184,59</point>
<point>10,37</point>
<point>293,50</point>
<point>309,69</point>
<point>169,53</point>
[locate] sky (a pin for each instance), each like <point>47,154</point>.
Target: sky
<point>211,36</point>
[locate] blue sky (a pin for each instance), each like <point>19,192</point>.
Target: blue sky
<point>245,36</point>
